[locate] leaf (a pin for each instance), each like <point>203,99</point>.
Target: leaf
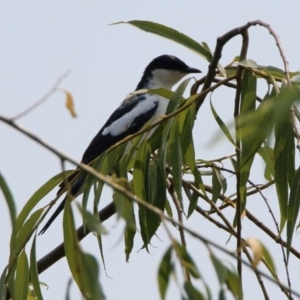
<point>233,283</point>
<point>222,124</point>
<point>70,103</point>
<point>22,277</point>
<point>248,98</point>
<point>192,292</point>
<point>2,284</point>
<point>171,34</point>
<point>293,210</point>
<point>276,72</point>
<point>34,272</point>
<point>186,260</point>
<point>284,167</point>
<point>257,249</point>
<point>248,63</point>
<point>267,155</point>
<point>39,195</point>
<point>165,269</point>
<point>19,242</point>
<point>216,184</point>
<point>219,268</point>
<point>175,158</point>
<point>84,267</point>
<point>9,201</point>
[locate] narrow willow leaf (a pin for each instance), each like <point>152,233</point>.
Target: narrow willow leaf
<point>84,267</point>
<point>272,79</point>
<point>193,204</point>
<point>19,242</point>
<point>168,209</point>
<point>233,283</point>
<point>248,98</point>
<point>257,250</point>
<point>2,284</point>
<point>165,269</point>
<point>192,292</point>
<point>22,277</point>
<point>276,72</point>
<point>186,260</point>
<point>171,34</point>
<point>293,210</point>
<point>175,156</point>
<point>216,184</point>
<point>284,167</point>
<point>9,201</point>
<point>38,196</point>
<point>70,103</point>
<point>267,155</point>
<point>257,125</point>
<point>91,277</point>
<point>249,63</point>
<point>124,206</point>
<point>129,235</point>
<point>34,272</point>
<point>268,259</point>
<point>221,124</point>
<point>219,268</point>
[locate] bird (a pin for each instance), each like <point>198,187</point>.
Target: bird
<point>133,113</point>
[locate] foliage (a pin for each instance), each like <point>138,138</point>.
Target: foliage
<point>162,174</point>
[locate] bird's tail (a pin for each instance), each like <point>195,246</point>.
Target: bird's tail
<point>53,217</point>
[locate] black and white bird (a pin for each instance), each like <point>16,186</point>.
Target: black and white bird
<point>133,113</point>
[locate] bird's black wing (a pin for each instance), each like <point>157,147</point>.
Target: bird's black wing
<point>102,142</point>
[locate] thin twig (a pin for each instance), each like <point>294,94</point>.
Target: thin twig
<point>179,210</point>
<point>43,99</point>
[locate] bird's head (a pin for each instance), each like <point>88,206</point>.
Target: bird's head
<point>164,71</point>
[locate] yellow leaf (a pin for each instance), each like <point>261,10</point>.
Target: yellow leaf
<point>70,103</point>
<point>257,249</point>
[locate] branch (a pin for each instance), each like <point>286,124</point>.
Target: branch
<point>59,252</point>
<point>43,99</point>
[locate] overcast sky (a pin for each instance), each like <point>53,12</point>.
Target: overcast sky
<point>40,40</point>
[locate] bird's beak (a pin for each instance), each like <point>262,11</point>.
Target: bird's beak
<point>192,70</point>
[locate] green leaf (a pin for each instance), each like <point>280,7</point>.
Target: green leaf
<point>248,98</point>
<point>248,63</point>
<point>276,72</point>
<point>284,167</point>
<point>256,125</point>
<point>34,272</point>
<point>220,268</point>
<point>192,292</point>
<point>216,184</point>
<point>186,260</point>
<point>165,269</point>
<point>9,200</point>
<point>2,284</point>
<point>267,155</point>
<point>38,196</point>
<point>175,158</point>
<point>234,284</point>
<point>293,210</point>
<point>268,259</point>
<point>129,235</point>
<point>22,277</point>
<point>171,34</point>
<point>222,124</point>
<point>84,267</point>
<point>19,242</point>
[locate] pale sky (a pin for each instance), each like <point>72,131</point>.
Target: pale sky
<point>40,40</point>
